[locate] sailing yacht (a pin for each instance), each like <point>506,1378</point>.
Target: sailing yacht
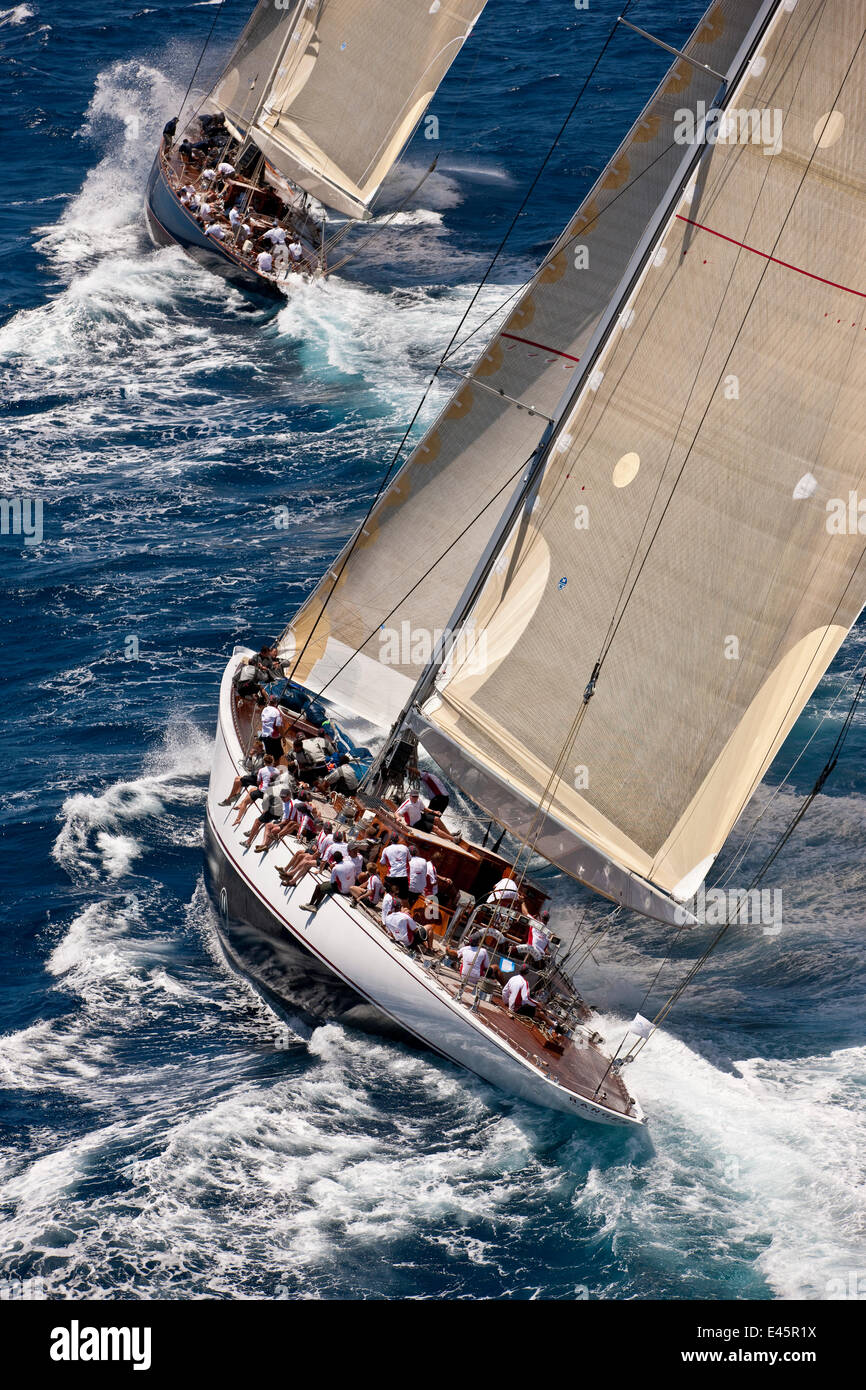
<point>315,105</point>
<point>602,588</point>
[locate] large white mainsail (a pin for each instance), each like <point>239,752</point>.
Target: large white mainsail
<point>359,636</point>
<point>687,530</point>
<point>331,90</point>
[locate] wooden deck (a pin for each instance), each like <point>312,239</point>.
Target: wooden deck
<point>582,1067</point>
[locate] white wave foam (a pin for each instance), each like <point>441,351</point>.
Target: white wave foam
<point>393,341</point>
<point>312,1150</point>
<point>765,1164</point>
<point>19,14</point>
<point>52,1054</point>
<point>438,191</point>
<point>420,217</point>
<point>91,841</point>
<point>118,852</point>
<point>105,946</point>
<point>127,110</point>
<point>318,1178</point>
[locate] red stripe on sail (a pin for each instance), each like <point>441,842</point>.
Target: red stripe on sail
<point>767,257</point>
<point>543,346</point>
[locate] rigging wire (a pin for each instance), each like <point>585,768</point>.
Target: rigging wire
<point>760,873</point>
<point>388,471</point>
<point>200,57</point>
<point>742,849</point>
<point>531,835</point>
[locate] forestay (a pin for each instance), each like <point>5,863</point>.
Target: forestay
<point>367,637</point>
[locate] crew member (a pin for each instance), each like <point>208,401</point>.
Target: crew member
<point>344,778</point>
<point>515,993</point>
<point>412,809</point>
<point>272,728</point>
<point>506,893</point>
<point>435,788</point>
<point>341,881</point>
<point>396,860</point>
<point>473,957</point>
<point>401,926</point>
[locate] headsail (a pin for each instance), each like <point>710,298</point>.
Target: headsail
<point>331,90</point>
<point>694,530</point>
<point>362,639</point>
<point>243,85</point>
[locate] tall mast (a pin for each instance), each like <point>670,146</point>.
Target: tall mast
<point>534,472</point>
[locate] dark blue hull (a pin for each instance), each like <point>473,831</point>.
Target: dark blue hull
<point>169,221</point>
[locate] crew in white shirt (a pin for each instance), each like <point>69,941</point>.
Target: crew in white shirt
<point>216,231</point>
<point>539,936</point>
<point>296,251</point>
<point>419,871</point>
<point>294,813</point>
<point>412,809</point>
<point>515,993</point>
<point>267,773</point>
<point>474,961</point>
<point>396,860</point>
<point>342,880</point>
<point>437,791</point>
<point>272,727</point>
<point>343,874</point>
<point>225,169</point>
<point>402,928</point>
<point>334,848</point>
<point>239,226</point>
<point>264,262</point>
<point>275,235</point>
<point>205,212</point>
<point>354,854</point>
<point>506,893</point>
<point>374,889</point>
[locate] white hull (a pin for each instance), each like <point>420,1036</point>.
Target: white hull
<point>357,951</point>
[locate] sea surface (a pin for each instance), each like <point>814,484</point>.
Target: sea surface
<point>164,1134</point>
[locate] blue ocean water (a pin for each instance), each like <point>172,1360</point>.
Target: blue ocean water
<point>163,1132</point>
